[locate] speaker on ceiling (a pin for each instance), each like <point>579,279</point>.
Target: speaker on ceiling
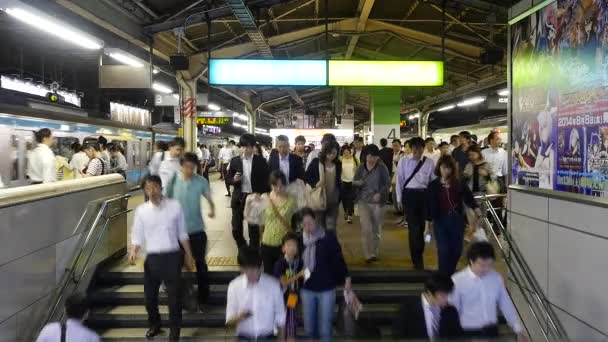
<point>179,62</point>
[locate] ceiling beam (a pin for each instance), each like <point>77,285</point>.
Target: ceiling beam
<point>440,10</point>
<point>365,8</point>
<point>407,15</point>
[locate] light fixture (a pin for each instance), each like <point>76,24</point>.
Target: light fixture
<point>155,71</point>
<point>385,73</point>
<point>213,106</point>
<point>161,88</point>
<point>239,125</point>
<point>414,116</point>
<point>504,92</point>
<point>444,108</point>
<point>126,59</point>
<point>270,72</point>
<point>57,29</point>
<point>175,95</point>
<point>472,101</point>
<point>235,114</point>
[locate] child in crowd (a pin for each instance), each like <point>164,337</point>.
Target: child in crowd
<point>289,271</point>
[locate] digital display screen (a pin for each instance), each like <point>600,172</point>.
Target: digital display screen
<point>217,121</point>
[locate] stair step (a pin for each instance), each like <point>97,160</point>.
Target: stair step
<point>224,277</point>
<point>135,316</point>
<point>134,294</point>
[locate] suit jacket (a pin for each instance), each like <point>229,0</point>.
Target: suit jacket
<point>386,154</point>
<point>410,323</point>
<point>259,176</point>
<point>296,166</point>
<point>312,173</point>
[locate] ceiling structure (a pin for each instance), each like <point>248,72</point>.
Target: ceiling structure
<point>296,29</point>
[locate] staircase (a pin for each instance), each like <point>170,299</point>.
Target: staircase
<point>119,314</point>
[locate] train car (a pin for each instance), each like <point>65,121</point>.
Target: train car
<point>69,125</point>
<point>482,130</point>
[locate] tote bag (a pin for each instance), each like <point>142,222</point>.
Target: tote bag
<point>316,197</point>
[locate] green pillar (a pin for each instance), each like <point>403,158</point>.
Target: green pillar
<point>386,113</point>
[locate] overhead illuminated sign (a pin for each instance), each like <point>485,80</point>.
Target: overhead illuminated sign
<point>213,121</point>
<point>268,72</point>
<point>385,73</point>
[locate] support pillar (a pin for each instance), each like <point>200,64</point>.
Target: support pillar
<point>386,113</point>
<point>188,101</point>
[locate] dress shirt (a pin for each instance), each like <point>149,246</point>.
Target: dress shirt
<point>421,180</point>
<point>432,155</point>
<point>154,165</point>
<point>168,168</point>
<point>430,318</point>
<point>206,155</point>
<point>477,298</point>
<point>284,165</point>
<point>161,227</point>
<point>498,159</point>
<point>199,153</point>
<point>225,154</point>
<point>78,163</point>
<point>121,162</point>
<point>41,165</point>
<point>264,300</point>
<point>74,331</point>
<point>246,176</point>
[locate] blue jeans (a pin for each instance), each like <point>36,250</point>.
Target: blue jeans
<point>318,308</point>
<point>449,234</point>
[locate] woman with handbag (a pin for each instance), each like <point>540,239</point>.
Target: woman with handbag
<point>277,220</point>
<point>324,175</point>
<point>478,174</point>
<point>448,199</point>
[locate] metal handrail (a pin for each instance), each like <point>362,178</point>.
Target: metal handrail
<point>71,271</point>
<point>536,290</point>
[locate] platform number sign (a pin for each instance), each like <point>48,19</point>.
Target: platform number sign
<point>392,135</point>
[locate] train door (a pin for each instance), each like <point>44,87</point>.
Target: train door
<point>20,144</point>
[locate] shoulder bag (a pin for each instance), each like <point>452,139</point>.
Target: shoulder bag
<point>254,208</point>
<point>286,223</point>
<point>409,179</point>
<point>317,198</point>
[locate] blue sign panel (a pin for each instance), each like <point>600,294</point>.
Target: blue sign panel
<point>268,72</point>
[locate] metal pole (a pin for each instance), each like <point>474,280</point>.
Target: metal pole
<point>327,29</point>
<point>443,30</point>
<point>208,56</point>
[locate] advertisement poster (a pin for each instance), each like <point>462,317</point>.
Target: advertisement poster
<point>560,98</point>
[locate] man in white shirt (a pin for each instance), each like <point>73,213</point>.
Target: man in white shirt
<point>172,162</point>
<point>430,151</point>
<point>225,156</point>
<point>289,163</point>
<point>160,224</point>
<point>479,291</point>
<point>454,143</point>
<point>76,309</point>
<point>41,161</point>
<point>413,177</point>
<point>358,144</point>
<point>255,303</point>
<point>159,155</point>
<point>205,159</point>
<point>103,144</point>
<point>497,157</point>
<point>120,160</point>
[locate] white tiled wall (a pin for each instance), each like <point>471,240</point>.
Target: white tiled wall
<point>583,217</point>
<point>8,329</point>
<point>577,331</point>
<point>531,238</point>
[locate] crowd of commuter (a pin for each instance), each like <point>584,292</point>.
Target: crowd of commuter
<point>292,258</point>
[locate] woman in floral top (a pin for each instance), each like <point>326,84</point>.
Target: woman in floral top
<point>277,220</point>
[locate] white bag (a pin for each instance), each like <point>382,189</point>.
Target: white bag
<point>480,234</point>
<point>255,205</point>
<point>297,191</point>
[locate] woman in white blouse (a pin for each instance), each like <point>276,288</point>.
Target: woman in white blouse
<point>349,165</point>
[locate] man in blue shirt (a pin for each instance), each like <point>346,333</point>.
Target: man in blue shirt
<point>187,187</point>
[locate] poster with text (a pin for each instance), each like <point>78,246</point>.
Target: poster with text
<point>560,98</point>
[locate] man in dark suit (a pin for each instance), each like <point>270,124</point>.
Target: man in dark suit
<point>289,163</point>
<point>429,316</point>
<point>248,173</point>
<point>386,155</point>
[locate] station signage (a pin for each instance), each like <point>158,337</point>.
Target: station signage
<point>215,121</point>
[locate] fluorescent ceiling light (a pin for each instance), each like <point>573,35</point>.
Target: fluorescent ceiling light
<point>414,116</point>
<point>385,73</point>
<point>235,114</point>
<point>155,71</point>
<point>126,59</point>
<point>213,106</point>
<point>57,29</point>
<point>176,96</point>
<point>270,72</point>
<point>504,92</point>
<point>444,108</point>
<point>472,101</point>
<point>161,88</point>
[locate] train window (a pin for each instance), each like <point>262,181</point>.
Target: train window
<point>63,147</point>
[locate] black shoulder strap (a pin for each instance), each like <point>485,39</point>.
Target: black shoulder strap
<point>63,331</point>
<point>418,167</point>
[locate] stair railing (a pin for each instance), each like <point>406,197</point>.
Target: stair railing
<point>72,278</point>
<point>521,274</point>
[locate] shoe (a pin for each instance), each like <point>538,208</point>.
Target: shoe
<point>174,334</point>
<point>419,267</point>
<point>153,332</point>
<point>369,261</point>
<point>228,195</point>
<point>373,259</point>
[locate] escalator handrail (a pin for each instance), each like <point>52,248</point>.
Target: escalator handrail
<point>70,272</point>
<point>537,292</point>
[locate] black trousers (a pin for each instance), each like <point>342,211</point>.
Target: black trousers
<point>414,202</point>
<point>348,198</point>
<point>164,268</point>
<point>225,175</point>
<point>238,205</point>
<point>270,255</point>
<point>198,243</point>
<point>487,331</point>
